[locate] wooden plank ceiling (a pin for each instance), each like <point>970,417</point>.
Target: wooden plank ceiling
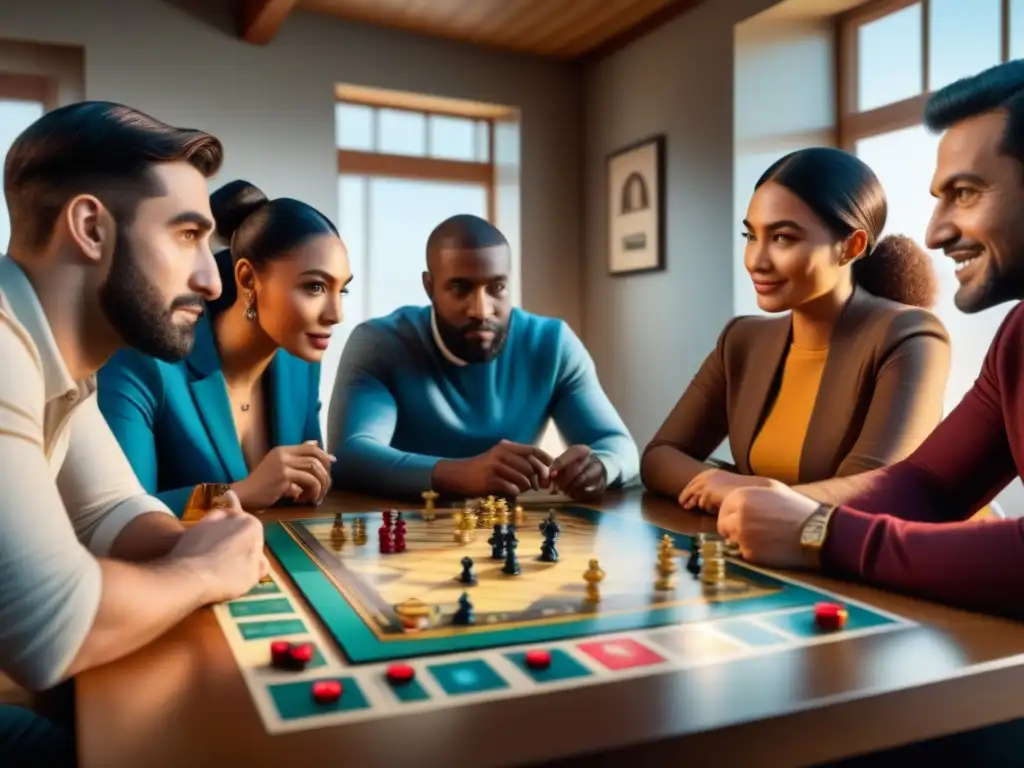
<point>561,29</point>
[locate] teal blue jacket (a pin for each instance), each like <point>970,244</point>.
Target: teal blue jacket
<point>174,420</point>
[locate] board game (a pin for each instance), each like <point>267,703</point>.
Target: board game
<point>447,616</point>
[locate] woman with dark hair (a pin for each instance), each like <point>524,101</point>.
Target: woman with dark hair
<point>849,377</point>
<point>243,408</point>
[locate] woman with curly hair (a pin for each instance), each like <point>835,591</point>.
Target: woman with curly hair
<point>850,374</point>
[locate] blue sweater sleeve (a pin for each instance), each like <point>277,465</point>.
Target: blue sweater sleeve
<point>585,416</point>
<point>311,429</point>
<point>130,394</point>
<point>362,420</point>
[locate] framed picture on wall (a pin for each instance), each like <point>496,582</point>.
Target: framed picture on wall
<point>636,207</point>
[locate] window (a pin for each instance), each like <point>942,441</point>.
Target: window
<point>406,162</point>
<point>890,60</point>
<point>23,100</point>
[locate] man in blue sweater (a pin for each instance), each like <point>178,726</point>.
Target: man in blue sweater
<point>452,396</point>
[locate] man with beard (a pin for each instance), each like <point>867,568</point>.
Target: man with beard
<point>109,247</point>
<point>453,397</point>
<point>910,529</point>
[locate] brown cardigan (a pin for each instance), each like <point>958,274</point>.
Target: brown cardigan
<point>881,394</point>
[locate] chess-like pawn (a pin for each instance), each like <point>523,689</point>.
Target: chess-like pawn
<point>518,515</point>
<point>497,542</point>
<point>338,533</point>
<point>593,576</point>
<point>550,529</point>
<point>359,531</point>
<point>666,563</point>
<point>400,534</point>
<point>429,497</point>
<point>386,545</point>
<point>695,563</point>
<point>467,576</point>
<point>511,542</point>
<point>464,615</point>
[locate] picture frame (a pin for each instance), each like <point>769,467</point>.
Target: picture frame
<point>636,207</point>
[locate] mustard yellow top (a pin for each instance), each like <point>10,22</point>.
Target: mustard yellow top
<point>776,450</point>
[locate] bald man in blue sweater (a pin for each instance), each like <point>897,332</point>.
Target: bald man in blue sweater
<point>452,397</point>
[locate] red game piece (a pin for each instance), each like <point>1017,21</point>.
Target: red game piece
<point>279,653</point>
<point>384,534</point>
<point>326,691</point>
<point>399,674</point>
<point>830,616</point>
<point>538,659</point>
<point>300,655</point>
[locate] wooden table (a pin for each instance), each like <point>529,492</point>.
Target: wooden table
<point>182,701</point>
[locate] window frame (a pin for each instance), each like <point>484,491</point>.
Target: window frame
<point>852,124</point>
<point>17,86</point>
<point>368,163</point>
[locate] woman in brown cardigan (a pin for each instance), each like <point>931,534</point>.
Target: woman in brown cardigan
<point>850,378</point>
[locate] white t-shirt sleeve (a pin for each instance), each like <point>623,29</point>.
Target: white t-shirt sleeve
<point>97,482</point>
<point>50,584</point>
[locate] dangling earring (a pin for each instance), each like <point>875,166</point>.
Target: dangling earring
<point>250,310</point>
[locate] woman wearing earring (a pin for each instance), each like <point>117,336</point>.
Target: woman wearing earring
<point>847,377</point>
<point>243,408</point>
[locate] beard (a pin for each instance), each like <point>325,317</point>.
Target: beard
<point>138,313</point>
<point>472,351</point>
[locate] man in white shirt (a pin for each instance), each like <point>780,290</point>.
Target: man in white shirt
<point>109,247</point>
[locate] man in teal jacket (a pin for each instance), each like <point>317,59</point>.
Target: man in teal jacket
<point>452,397</point>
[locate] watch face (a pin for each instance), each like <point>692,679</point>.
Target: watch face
<point>813,529</point>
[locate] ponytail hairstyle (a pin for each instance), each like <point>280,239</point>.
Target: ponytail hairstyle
<point>259,230</point>
<point>845,193</point>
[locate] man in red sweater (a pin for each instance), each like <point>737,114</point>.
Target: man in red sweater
<point>910,531</point>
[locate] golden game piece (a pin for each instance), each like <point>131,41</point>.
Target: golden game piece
<point>594,576</point>
<point>488,513</point>
<point>429,497</point>
<point>414,614</point>
<point>338,533</point>
<point>359,531</point>
<point>501,512</point>
<point>666,563</point>
<point>712,552</point>
<point>518,516</point>
<point>204,497</point>
<point>466,527</point>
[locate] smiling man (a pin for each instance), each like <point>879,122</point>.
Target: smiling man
<point>910,530</point>
<point>453,396</point>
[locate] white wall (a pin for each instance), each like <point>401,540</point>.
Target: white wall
<point>783,100</point>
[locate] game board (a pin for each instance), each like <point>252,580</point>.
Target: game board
<point>349,594</point>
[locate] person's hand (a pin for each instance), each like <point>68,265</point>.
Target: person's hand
<point>508,469</point>
<point>766,524</point>
<point>706,490</point>
<point>225,551</point>
<point>579,474</point>
<point>299,472</point>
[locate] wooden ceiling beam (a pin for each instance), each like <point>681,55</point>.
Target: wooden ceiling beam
<point>260,20</point>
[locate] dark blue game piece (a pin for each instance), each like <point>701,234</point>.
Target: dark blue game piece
<point>464,615</point>
<point>550,529</point>
<point>695,562</point>
<point>497,542</point>
<point>511,542</point>
<point>467,577</point>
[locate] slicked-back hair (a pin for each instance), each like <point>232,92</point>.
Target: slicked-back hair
<point>999,87</point>
<point>98,148</point>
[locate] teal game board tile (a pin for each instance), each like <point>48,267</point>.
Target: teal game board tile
<point>264,588</point>
<point>751,634</point>
<point>563,667</point>
<point>243,608</point>
<point>801,623</point>
<point>259,630</point>
<point>295,700</point>
<point>475,676</point>
<point>409,692</point>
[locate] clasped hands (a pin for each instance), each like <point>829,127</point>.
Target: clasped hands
<point>513,468</point>
<point>763,517</point>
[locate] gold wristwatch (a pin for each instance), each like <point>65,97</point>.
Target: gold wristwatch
<point>814,532</point>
